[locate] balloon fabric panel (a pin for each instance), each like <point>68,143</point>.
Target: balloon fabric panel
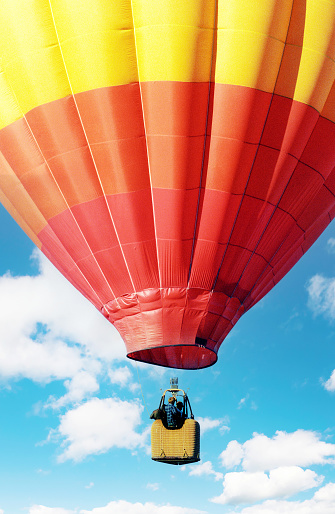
<point>173,159</point>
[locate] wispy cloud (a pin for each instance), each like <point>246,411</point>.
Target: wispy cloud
<point>41,509</point>
<point>123,377</point>
<point>331,245</point>
<point>321,301</point>
<point>82,385</point>
<point>293,323</point>
<point>330,383</point>
<point>245,401</point>
<point>153,486</point>
<point>209,423</point>
<point>321,296</point>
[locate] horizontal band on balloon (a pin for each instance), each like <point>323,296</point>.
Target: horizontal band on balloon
<point>176,356</point>
<point>49,53</point>
<point>154,317</point>
<point>252,138</point>
<point>224,190</point>
<point>127,242</point>
<point>190,321</point>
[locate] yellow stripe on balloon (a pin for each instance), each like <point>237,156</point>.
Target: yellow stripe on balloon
<point>9,109</point>
<point>173,53</point>
<point>50,49</point>
<point>97,42</point>
<point>30,56</point>
<point>317,69</point>
<point>248,59</point>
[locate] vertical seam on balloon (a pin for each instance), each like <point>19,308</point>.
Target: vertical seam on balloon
<point>149,170</point>
<point>146,146</point>
<point>94,163</point>
<point>47,164</point>
<point>13,206</point>
<point>253,163</point>
<point>202,170</point>
<point>275,207</point>
<point>296,220</point>
<point>324,185</point>
<point>205,140</point>
<point>299,244</point>
<point>268,222</point>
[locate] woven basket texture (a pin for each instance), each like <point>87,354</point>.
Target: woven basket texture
<point>181,444</point>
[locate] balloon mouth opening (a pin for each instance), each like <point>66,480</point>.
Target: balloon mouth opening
<point>177,356</point>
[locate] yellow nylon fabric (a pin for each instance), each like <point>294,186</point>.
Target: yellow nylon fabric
<point>50,49</point>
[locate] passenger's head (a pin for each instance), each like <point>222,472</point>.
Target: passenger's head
<point>180,405</point>
<point>172,399</point>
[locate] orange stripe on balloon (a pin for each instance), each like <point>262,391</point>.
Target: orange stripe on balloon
<point>174,200</point>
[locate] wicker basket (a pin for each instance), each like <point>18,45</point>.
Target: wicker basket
<point>176,446</point>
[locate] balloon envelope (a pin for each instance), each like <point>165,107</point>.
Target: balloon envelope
<point>172,159</point>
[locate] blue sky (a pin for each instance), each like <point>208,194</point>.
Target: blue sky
<point>74,431</point>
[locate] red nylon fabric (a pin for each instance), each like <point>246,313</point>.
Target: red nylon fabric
<point>172,219</point>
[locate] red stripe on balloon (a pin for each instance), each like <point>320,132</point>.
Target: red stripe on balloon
<point>186,207</point>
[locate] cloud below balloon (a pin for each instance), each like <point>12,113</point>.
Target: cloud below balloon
<point>120,507</point>
<point>98,425</point>
<point>272,468</point>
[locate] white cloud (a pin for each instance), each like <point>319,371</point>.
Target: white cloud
<point>98,425</point>
<point>261,453</point>
<point>272,467</point>
<point>120,376</point>
<point>75,318</point>
<point>154,372</point>
<point>119,507</point>
<point>124,507</point>
<point>42,472</point>
<point>123,377</point>
<point>242,401</point>
<point>208,423</point>
<point>48,331</point>
<point>321,296</point>
<point>323,502</point>
<point>282,482</point>
<point>89,486</point>
<point>38,361</point>
<point>153,487</point>
<point>204,468</point>
<point>41,509</point>
<point>82,385</point>
<point>37,315</point>
<point>331,245</point>
<point>232,455</point>
<point>330,383</point>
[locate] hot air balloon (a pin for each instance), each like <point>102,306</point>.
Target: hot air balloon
<point>172,159</point>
